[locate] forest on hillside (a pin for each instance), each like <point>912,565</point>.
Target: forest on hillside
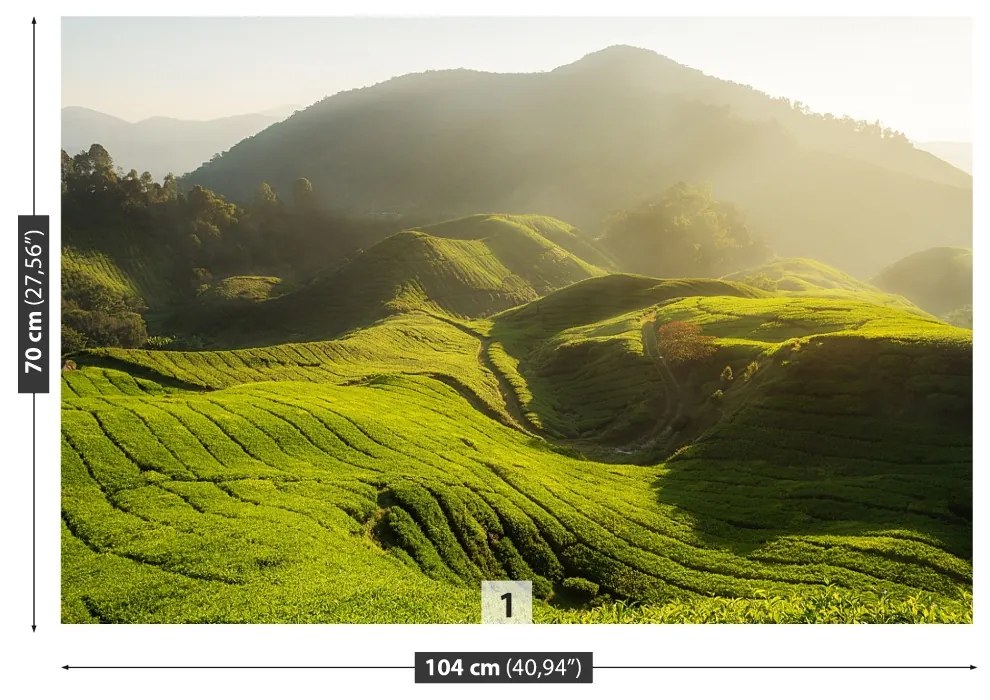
<point>196,249</point>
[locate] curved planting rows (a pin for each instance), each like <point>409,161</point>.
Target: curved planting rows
<point>390,499</point>
<point>415,343</point>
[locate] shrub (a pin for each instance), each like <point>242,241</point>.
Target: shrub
<point>159,342</point>
<point>750,370</point>
<point>580,587</point>
<point>124,329</point>
<point>726,375</point>
<point>72,340</point>
<point>681,342</point>
<point>542,588</point>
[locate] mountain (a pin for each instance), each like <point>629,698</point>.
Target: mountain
<point>939,280</point>
<point>602,134</point>
<point>958,153</point>
<point>159,145</point>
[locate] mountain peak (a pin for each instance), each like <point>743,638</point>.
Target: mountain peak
<point>621,56</point>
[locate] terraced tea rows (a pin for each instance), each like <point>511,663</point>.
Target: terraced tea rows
<point>251,503</point>
<point>380,476</point>
<point>410,344</point>
<point>126,271</point>
<point>466,268</point>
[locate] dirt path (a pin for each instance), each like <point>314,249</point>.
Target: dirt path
<point>672,392</point>
<point>661,430</point>
<point>510,399</point>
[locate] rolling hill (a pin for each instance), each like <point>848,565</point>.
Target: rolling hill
<point>601,134</point>
<point>827,477</point>
<point>804,276</point>
<point>939,280</point>
<point>470,267</point>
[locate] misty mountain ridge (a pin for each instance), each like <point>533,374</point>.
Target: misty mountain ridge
<point>161,144</point>
<point>958,153</point>
<point>602,134</point>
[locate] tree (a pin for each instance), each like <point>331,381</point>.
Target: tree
<point>686,232</point>
<point>264,196</point>
<point>302,193</point>
<point>681,342</point>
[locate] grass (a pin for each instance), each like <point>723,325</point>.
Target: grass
<point>829,605</point>
<point>380,476</point>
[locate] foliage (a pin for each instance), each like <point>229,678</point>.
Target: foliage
<point>96,314</point>
<point>588,138</point>
<point>684,233</point>
<point>580,588</point>
<point>681,342</point>
<point>161,243</point>
<point>830,605</point>
<point>471,267</point>
<point>393,458</point>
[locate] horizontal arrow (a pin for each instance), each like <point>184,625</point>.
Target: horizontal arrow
<point>893,668</point>
<point>236,668</point>
<point>289,668</point>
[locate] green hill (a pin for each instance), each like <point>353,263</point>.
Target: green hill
<point>465,268</point>
<point>830,471</point>
<point>599,135</point>
<point>803,276</point>
<point>577,358</point>
<point>939,280</point>
<point>131,268</point>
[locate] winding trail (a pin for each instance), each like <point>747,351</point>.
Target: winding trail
<point>672,392</point>
<point>510,399</point>
<point>659,432</point>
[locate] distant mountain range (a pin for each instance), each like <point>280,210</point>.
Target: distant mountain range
<point>602,134</point>
<point>959,153</point>
<point>161,145</point>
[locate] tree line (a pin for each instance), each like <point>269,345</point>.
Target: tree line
<point>188,238</point>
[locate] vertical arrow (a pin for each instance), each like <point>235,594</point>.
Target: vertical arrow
<point>34,118</point>
<point>34,520</point>
<point>34,460</point>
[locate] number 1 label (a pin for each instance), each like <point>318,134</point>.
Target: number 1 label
<point>507,602</point>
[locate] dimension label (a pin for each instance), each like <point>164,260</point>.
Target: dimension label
<point>504,667</point>
<point>33,274</point>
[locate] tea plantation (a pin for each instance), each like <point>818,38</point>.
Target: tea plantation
<point>815,467</point>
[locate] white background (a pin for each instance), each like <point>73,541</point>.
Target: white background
<point>31,662</point>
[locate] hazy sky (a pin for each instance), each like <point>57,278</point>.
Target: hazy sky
<point>912,74</point>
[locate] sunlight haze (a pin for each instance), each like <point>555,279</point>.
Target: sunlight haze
<point>913,75</point>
